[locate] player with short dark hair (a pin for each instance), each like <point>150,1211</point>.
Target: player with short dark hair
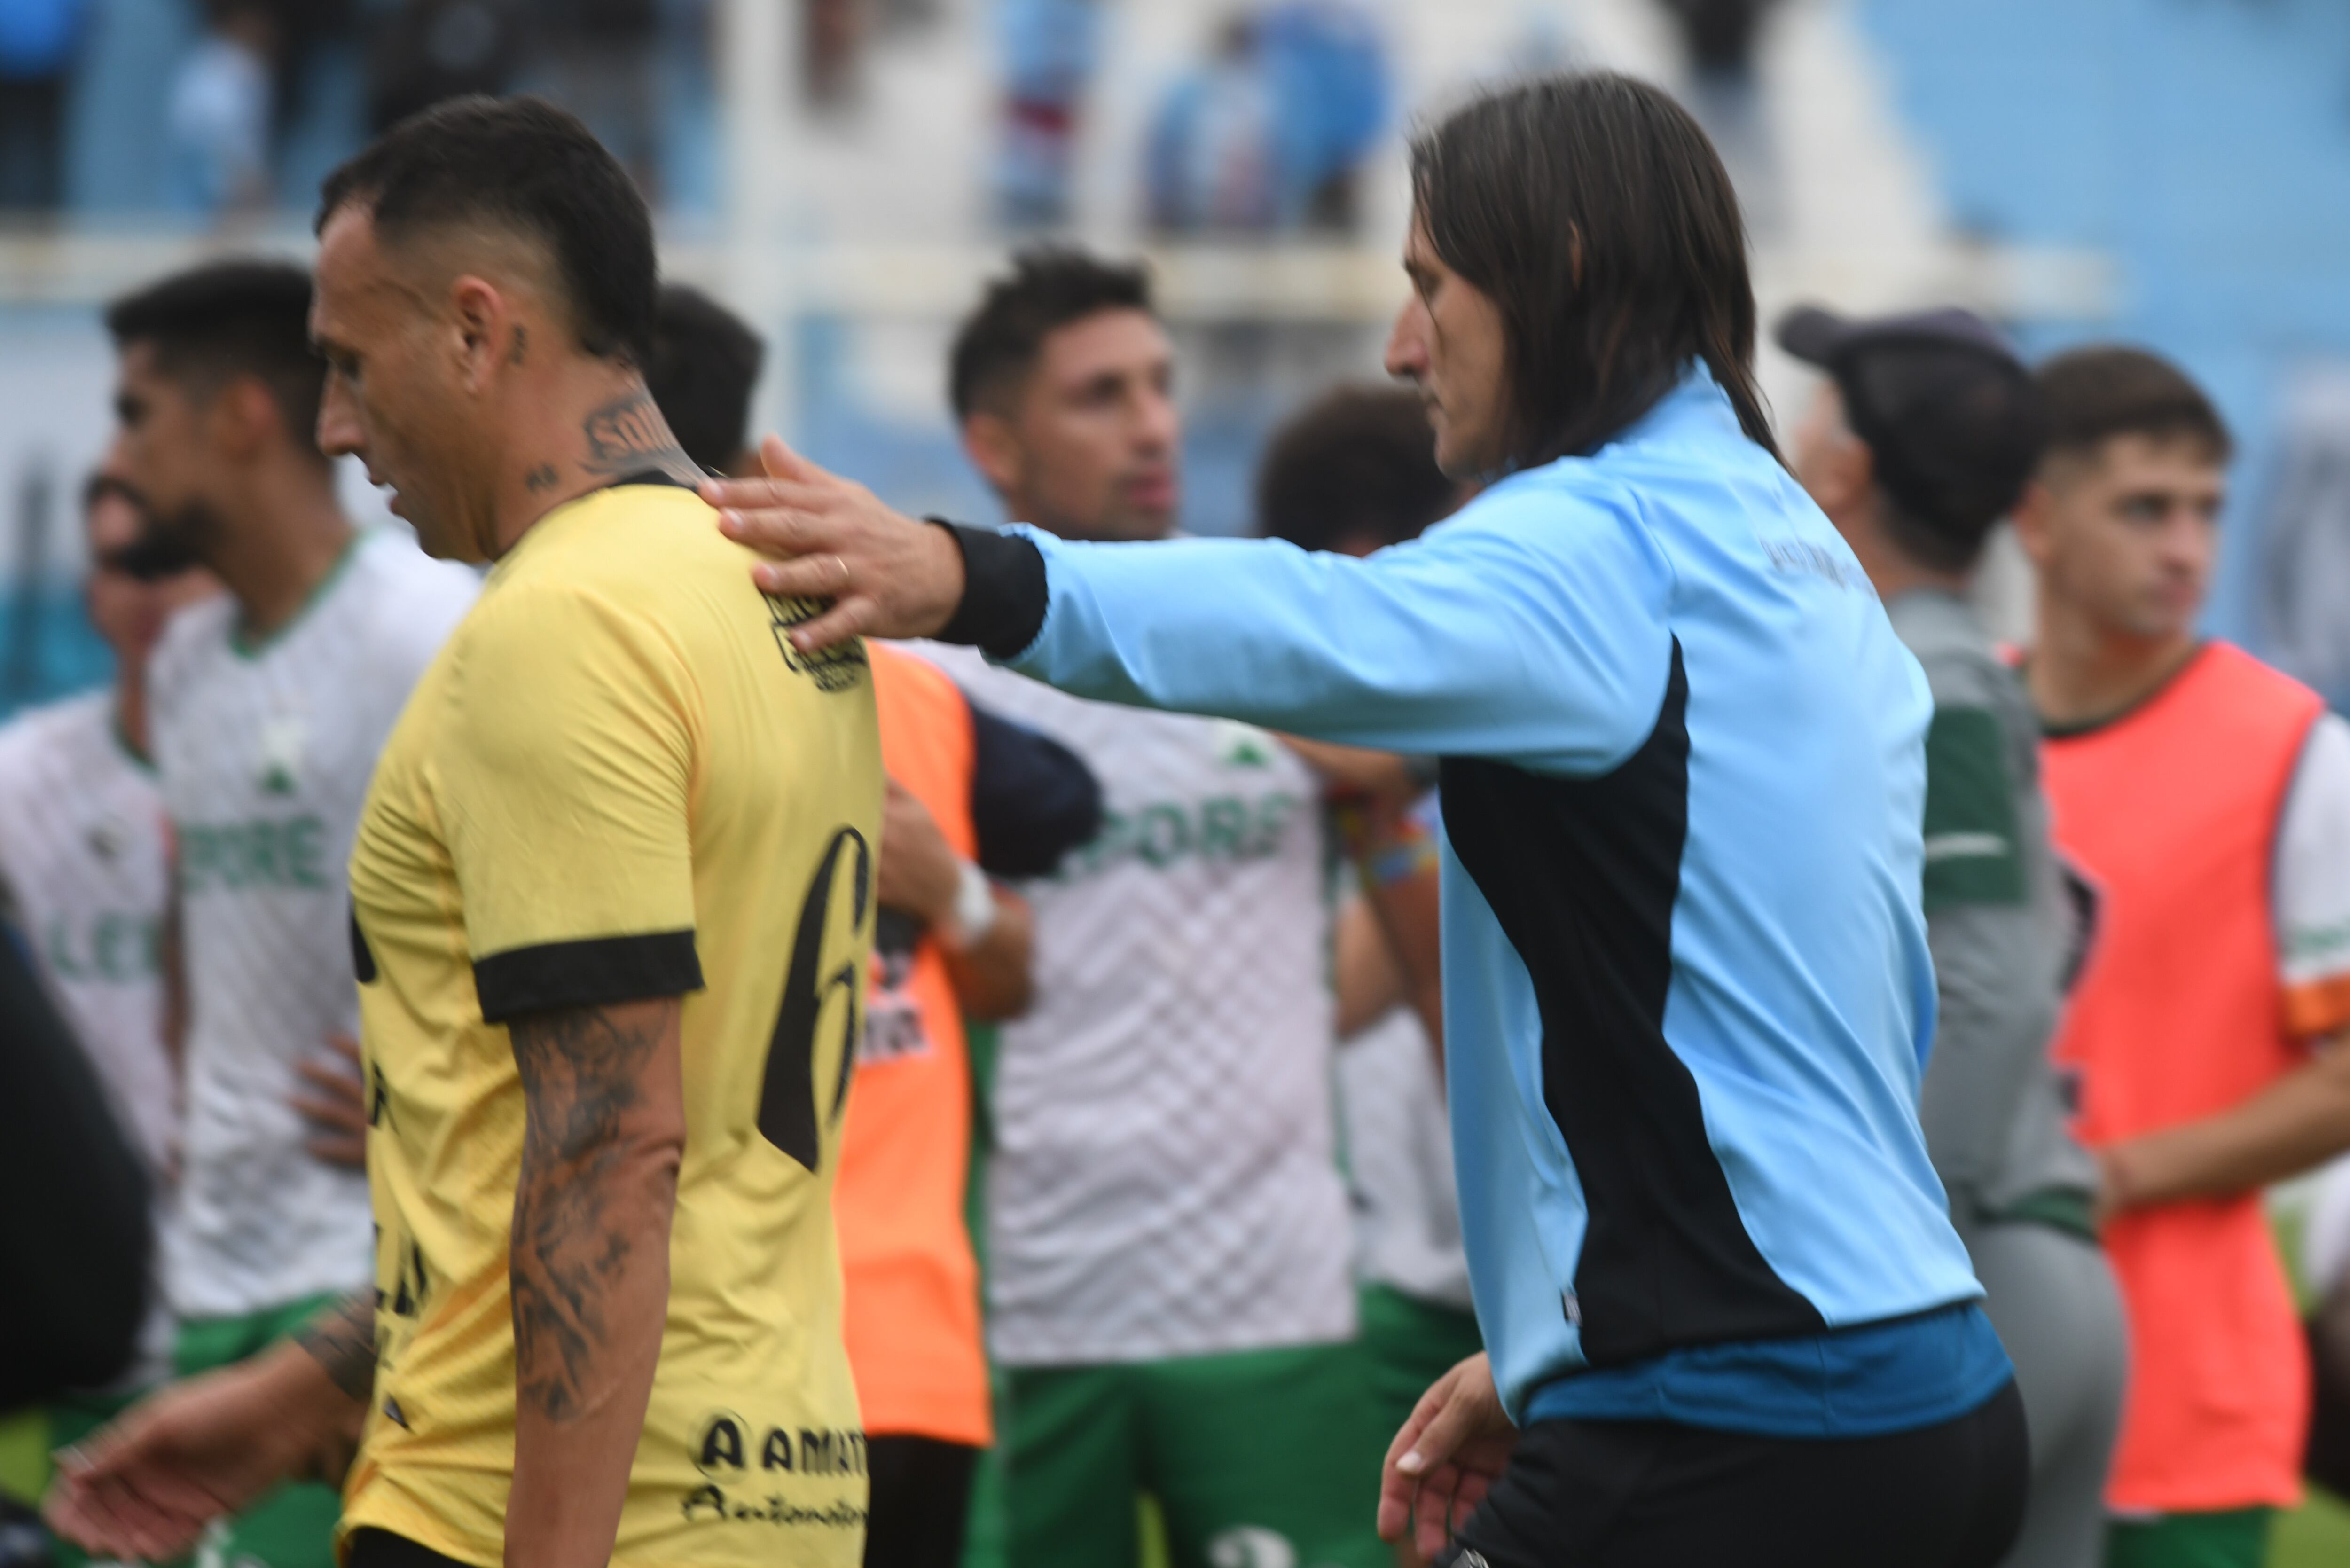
<point>267,709</point>
<point>2096,394</point>
<point>2207,796</point>
<point>610,905</point>
<point>1168,1281</point>
<point>514,166</point>
<point>1916,445</point>
<point>212,324</point>
<point>1049,287</point>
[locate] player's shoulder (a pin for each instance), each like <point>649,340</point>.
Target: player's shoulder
<point>390,560</point>
<point>2321,778</point>
<point>644,543</point>
<point>195,634</point>
<point>56,736</point>
<point>1962,665</point>
<point>404,593</point>
<point>625,566</point>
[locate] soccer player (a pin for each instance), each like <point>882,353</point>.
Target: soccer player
<point>2207,798</point>
<point>1687,984</point>
<point>613,896</point>
<point>969,794</point>
<point>1168,1260</point>
<point>266,707</point>
<point>1919,442</point>
<point>83,863</point>
<point>1355,471</point>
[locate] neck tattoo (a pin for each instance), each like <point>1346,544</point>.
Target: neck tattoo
<point>627,435</point>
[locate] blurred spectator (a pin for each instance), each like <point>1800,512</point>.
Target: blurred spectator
<point>217,127</point>
<point>1050,47</point>
<point>1211,154</point>
<point>425,50</point>
<point>1268,134</point>
<point>835,32</point>
<point>39,41</point>
<point>599,56</point>
<point>1718,38</point>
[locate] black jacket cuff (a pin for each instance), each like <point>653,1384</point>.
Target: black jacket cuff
<point>1003,591</point>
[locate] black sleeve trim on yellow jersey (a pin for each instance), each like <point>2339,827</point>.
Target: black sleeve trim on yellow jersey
<point>1003,591</point>
<point>588,974</point>
<point>362,958</point>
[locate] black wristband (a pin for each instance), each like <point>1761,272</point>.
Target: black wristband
<point>1003,591</point>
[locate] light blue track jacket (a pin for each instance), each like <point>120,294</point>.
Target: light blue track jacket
<point>1685,984</point>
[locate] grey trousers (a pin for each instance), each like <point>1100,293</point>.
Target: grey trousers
<point>2051,1296</point>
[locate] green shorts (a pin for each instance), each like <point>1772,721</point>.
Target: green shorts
<point>2237,1538</point>
<point>293,1526</point>
<point>1256,1457</point>
<point>1409,1344</point>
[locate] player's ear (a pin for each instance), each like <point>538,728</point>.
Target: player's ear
<point>993,448</point>
<point>244,417</point>
<point>481,328</point>
<point>2034,520</point>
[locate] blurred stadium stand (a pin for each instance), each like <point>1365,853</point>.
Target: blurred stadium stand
<point>2174,171</point>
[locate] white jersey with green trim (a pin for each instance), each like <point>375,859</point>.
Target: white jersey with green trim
<point>1164,1180</point>
<point>266,750</point>
<point>82,861</point>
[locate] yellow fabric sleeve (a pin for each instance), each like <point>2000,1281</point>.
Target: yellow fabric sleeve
<point>565,788</point>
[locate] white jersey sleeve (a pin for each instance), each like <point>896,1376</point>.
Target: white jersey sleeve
<point>2311,884</point>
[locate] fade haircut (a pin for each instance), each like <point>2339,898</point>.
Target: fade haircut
<point>1051,286</point>
<point>522,165</point>
<point>705,362</point>
<point>2096,394</point>
<point>1593,212</point>
<point>214,323</point>
<point>1357,462</point>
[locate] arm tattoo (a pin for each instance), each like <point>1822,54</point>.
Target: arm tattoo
<point>579,1070</point>
<point>341,1338</point>
<point>627,435</point>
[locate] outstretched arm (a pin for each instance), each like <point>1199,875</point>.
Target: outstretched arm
<point>146,1486</point>
<point>1530,627</point>
<point>604,1135</point>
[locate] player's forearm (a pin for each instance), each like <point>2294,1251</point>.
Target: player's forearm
<point>1396,858</point>
<point>340,1339</point>
<point>995,976</point>
<point>589,1266</point>
<point>2295,1124</point>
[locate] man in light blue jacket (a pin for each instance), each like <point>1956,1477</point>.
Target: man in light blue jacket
<point>1688,995</point>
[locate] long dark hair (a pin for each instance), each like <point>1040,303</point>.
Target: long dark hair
<point>1595,214</point>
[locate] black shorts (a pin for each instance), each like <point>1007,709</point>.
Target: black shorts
<point>921,1496</point>
<point>383,1549</point>
<point>1652,1494</point>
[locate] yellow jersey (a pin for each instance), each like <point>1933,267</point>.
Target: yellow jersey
<point>620,780</point>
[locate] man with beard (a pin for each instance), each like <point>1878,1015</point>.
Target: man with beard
<point>268,706</point>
